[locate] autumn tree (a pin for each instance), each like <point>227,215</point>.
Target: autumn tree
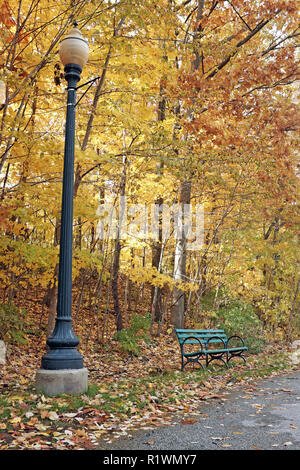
<point>182,102</point>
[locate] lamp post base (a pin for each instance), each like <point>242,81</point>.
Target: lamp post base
<point>62,358</point>
<point>56,382</point>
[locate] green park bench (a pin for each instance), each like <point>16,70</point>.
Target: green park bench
<point>210,345</point>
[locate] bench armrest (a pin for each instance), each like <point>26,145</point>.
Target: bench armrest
<point>214,338</point>
<point>236,337</point>
<point>194,338</point>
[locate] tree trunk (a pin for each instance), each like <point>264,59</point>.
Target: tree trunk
<point>178,307</point>
<point>52,287</point>
<point>156,294</point>
<point>52,299</point>
<point>116,263</point>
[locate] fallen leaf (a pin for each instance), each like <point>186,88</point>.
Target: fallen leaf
<point>152,407</point>
<point>81,433</point>
<point>71,415</point>
<point>40,427</point>
<point>53,415</point>
<point>15,420</point>
<point>189,421</point>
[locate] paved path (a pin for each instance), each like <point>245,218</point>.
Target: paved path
<point>266,417</point>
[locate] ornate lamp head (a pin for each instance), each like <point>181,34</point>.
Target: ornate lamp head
<point>74,49</point>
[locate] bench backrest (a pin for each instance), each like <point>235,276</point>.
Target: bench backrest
<point>203,335</point>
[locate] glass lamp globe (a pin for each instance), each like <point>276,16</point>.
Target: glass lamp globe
<point>74,49</point>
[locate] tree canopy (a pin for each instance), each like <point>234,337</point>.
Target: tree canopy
<point>182,102</point>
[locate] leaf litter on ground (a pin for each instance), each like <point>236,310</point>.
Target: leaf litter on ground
<point>125,393</point>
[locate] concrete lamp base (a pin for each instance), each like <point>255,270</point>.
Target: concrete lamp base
<point>56,382</point>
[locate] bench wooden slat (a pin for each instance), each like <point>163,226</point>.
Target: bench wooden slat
<point>204,335</point>
<point>192,341</point>
<point>215,337</point>
<point>198,331</point>
<point>216,351</point>
<point>197,335</point>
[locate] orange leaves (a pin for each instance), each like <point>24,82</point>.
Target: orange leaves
<point>6,15</point>
<point>4,214</point>
<point>189,421</point>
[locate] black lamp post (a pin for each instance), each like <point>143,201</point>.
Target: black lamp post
<point>63,354</point>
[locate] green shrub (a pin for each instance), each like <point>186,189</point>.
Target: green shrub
<point>130,338</point>
<point>12,323</point>
<point>239,318</point>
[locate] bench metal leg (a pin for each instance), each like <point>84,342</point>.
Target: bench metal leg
<point>214,357</point>
<point>193,360</point>
<point>233,355</point>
